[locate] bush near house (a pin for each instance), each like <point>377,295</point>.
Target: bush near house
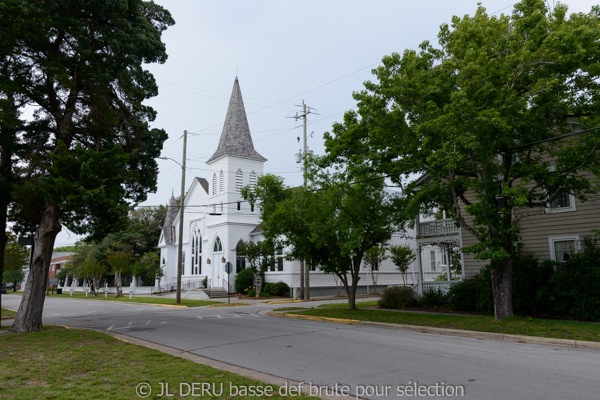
<point>244,280</point>
<point>397,297</point>
<point>565,289</point>
<point>277,289</point>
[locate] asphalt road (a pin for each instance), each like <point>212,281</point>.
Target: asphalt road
<point>373,363</point>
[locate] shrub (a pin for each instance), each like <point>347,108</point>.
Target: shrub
<point>575,289</point>
<point>530,281</point>
<point>243,280</point>
<point>251,293</point>
<point>432,297</point>
<point>267,289</point>
<point>473,294</point>
<point>280,289</point>
<point>397,297</point>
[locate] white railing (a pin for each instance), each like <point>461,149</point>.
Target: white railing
<point>444,286</point>
<point>440,227</point>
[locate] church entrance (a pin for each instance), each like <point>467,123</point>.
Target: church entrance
<point>218,272</point>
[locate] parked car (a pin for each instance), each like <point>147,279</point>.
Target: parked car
<point>3,289</point>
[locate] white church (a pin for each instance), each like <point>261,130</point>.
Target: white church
<point>216,220</point>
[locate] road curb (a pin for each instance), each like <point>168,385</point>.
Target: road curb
<point>313,318</point>
<point>505,337</point>
<point>284,301</point>
<point>228,305</point>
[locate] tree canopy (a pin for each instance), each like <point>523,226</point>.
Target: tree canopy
<point>479,116</point>
<point>89,151</point>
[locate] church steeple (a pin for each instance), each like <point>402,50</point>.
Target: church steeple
<point>235,138</point>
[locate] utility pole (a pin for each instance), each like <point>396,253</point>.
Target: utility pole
<point>304,267</point>
<point>181,209</point>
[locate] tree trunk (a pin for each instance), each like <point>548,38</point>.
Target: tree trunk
<point>29,316</point>
<point>3,241</point>
<point>118,290</point>
<point>502,287</point>
<point>354,284</point>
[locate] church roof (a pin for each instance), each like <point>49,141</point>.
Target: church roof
<point>235,138</point>
<point>169,219</point>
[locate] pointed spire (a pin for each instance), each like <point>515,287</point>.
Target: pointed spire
<point>235,138</point>
<point>169,219</point>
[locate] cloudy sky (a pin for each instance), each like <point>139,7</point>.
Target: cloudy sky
<point>283,52</point>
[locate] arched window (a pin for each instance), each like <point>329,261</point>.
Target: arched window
<point>196,252</point>
<point>218,246</point>
<point>240,260</point>
<point>221,181</point>
<point>214,183</point>
<point>252,179</point>
<point>239,180</point>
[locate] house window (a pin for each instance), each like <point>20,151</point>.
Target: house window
<point>562,247</point>
<point>53,267</point>
<point>239,205</point>
<point>221,181</point>
<point>240,260</point>
<point>239,180</point>
<point>432,259</point>
<point>218,247</point>
<point>279,259</point>
<point>183,263</point>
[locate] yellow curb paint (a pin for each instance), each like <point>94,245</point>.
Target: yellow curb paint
<point>284,301</point>
<point>228,305</point>
<point>313,318</point>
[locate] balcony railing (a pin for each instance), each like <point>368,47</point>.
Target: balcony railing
<point>440,227</point>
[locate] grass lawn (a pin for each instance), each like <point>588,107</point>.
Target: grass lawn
<point>559,329</point>
<point>82,364</point>
<point>373,303</point>
<point>8,313</point>
<point>137,299</point>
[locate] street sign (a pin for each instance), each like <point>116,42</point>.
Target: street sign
<point>53,281</point>
<point>228,268</point>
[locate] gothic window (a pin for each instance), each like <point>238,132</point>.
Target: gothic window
<point>221,181</point>
<point>218,246</point>
<point>240,260</point>
<point>196,252</point>
<point>252,179</point>
<point>214,183</point>
<point>239,180</point>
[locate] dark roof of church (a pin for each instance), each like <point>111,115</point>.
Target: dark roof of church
<point>235,138</point>
<point>204,183</point>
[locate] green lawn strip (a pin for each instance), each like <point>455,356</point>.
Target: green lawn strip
<point>558,329</point>
<point>8,313</point>
<point>83,364</point>
<point>373,303</point>
<point>136,299</point>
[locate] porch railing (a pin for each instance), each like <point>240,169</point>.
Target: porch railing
<point>443,286</point>
<point>440,227</point>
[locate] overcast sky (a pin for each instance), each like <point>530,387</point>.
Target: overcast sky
<point>283,52</point>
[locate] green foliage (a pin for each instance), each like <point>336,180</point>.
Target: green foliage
<point>397,297</point>
<point>575,289</point>
<point>402,255</point>
<point>468,115</point>
<point>15,257</point>
<point>473,294</point>
<point>432,298</point>
<point>243,280</point>
<point>277,289</point>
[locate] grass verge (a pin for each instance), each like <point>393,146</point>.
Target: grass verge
<point>7,313</point>
<point>558,329</point>
<point>82,364</point>
<point>373,303</point>
<point>138,299</point>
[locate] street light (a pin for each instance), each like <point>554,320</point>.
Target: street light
<point>180,244</point>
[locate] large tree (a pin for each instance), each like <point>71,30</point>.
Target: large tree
<point>333,223</point>
<point>78,67</point>
<point>480,115</point>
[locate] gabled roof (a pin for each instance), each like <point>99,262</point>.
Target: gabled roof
<point>235,138</point>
